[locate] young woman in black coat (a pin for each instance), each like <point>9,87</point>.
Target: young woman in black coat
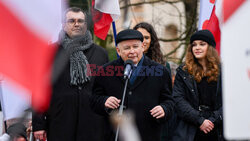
<point>197,92</point>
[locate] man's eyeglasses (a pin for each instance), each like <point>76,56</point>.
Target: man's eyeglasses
<point>74,21</point>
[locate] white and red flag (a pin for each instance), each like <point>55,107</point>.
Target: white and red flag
<point>235,53</point>
<point>104,13</point>
<point>209,18</point>
<point>27,27</point>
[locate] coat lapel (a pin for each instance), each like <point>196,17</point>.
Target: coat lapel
<point>140,79</point>
<point>190,83</point>
<point>120,63</point>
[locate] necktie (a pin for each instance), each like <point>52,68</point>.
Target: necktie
<point>133,75</point>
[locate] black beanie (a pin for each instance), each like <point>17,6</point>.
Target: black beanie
<point>204,35</point>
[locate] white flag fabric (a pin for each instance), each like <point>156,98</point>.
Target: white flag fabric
<point>206,8</point>
<point>27,27</point>
<point>235,53</point>
<point>109,7</point>
<point>42,17</point>
<point>14,99</point>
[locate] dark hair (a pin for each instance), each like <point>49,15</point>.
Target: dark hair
<point>75,10</point>
<point>154,51</point>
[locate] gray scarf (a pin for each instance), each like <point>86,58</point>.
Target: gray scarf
<point>78,61</point>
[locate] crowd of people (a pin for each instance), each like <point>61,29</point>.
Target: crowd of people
<point>190,109</point>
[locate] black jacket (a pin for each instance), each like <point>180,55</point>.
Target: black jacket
<point>186,98</point>
<point>69,117</point>
<point>146,93</point>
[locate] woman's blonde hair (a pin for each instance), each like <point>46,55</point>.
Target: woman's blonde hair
<point>194,67</point>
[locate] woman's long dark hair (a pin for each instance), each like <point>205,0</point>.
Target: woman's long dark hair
<point>154,51</point>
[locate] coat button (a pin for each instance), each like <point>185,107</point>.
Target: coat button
<point>130,92</point>
<point>192,90</point>
<point>184,78</point>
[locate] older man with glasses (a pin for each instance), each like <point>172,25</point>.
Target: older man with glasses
<point>69,117</point>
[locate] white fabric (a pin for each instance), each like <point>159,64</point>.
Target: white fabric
<point>205,12</point>
<point>41,16</point>
<point>109,6</point>
<point>235,53</point>
<point>14,99</point>
<point>5,137</point>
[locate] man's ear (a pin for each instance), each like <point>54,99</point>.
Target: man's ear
<point>63,26</point>
<point>118,50</point>
<point>142,46</point>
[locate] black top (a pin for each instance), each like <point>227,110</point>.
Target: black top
<point>206,92</point>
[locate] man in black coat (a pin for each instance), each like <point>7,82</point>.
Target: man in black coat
<point>69,117</point>
<point>149,89</point>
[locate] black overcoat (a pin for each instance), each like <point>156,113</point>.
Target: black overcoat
<point>147,92</point>
<point>187,102</point>
<point>69,117</point>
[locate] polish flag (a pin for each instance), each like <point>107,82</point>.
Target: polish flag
<point>27,27</point>
<point>104,13</point>
<point>210,11</point>
<point>235,53</point>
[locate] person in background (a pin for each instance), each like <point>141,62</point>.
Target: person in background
<point>197,91</point>
<point>17,132</point>
<point>69,117</point>
<point>151,43</point>
<point>152,49</point>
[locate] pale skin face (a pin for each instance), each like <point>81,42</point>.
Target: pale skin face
<point>199,49</point>
<point>147,38</point>
<point>130,49</point>
<point>75,24</point>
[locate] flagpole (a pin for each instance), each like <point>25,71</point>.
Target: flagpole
<point>114,33</point>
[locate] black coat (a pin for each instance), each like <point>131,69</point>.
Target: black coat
<point>186,97</point>
<point>146,93</point>
<point>69,117</point>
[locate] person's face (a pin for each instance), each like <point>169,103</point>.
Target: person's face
<point>199,49</point>
<point>147,38</point>
<point>75,24</point>
<point>130,49</point>
<point>19,139</point>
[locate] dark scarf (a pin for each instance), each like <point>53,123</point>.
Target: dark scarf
<point>78,61</point>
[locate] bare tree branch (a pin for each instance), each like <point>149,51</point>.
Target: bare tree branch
<point>173,51</point>
<point>149,2</point>
<point>171,40</point>
<point>183,55</point>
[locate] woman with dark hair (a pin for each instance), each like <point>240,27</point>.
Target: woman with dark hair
<point>152,50</point>
<point>197,92</point>
<point>150,42</point>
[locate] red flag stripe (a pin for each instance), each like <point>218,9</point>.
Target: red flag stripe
<point>102,22</point>
<point>25,58</point>
<point>229,7</point>
<point>213,25</point>
<point>101,27</point>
